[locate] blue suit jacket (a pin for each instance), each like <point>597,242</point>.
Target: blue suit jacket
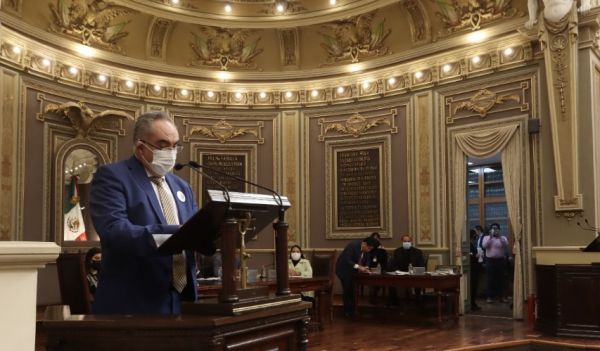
<point>344,267</point>
<point>125,211</point>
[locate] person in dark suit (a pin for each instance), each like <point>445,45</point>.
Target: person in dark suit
<point>475,269</point>
<point>135,205</point>
<point>354,258</point>
<point>404,256</point>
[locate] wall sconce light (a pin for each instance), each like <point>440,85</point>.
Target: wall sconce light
<point>446,68</point>
<point>314,93</point>
<point>476,59</point>
<point>129,84</point>
<point>184,92</point>
<point>210,94</point>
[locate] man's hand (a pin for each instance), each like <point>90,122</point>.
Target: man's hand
<point>363,269</point>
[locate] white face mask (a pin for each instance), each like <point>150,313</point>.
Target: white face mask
<point>406,245</point>
<point>296,256</point>
<point>163,161</point>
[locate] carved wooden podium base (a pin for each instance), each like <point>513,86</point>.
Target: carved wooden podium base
<point>250,300</point>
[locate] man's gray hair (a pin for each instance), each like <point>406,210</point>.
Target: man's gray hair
<point>143,124</point>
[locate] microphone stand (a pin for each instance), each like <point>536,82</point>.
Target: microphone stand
<point>228,230</point>
<point>280,227</point>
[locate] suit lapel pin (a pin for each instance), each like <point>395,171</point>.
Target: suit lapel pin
<point>180,196</point>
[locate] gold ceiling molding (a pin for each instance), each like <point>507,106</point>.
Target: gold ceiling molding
<point>290,7</point>
<point>484,100</point>
<point>225,48</point>
<point>136,84</point>
<point>82,118</point>
<point>468,14</point>
<point>215,16</point>
<point>223,131</point>
<point>12,5</point>
<point>354,38</point>
<point>357,125</point>
<point>90,22</point>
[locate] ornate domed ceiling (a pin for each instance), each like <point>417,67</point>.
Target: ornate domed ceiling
<point>293,43</point>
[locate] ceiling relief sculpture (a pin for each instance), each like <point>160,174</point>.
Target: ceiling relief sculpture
<point>82,118</point>
<point>356,125</point>
<point>419,21</point>
<point>351,39</point>
<point>461,14</point>
<point>288,47</point>
<point>290,7</point>
<point>225,48</point>
<point>157,38</point>
<point>91,22</point>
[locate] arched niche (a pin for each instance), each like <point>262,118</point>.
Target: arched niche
<point>78,157</point>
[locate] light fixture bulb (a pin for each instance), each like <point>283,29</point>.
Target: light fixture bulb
<point>238,95</point>
<point>340,90</point>
<point>476,59</point>
<point>228,8</point>
<point>45,62</point>
<point>366,84</point>
<point>392,81</point>
<point>418,74</point>
<point>210,94</point>
<point>508,51</point>
<point>280,8</point>
<point>156,87</point>
<point>314,93</point>
<point>332,2</point>
<point>102,78</point>
<point>129,84</point>
<point>175,2</point>
<point>73,70</point>
<point>446,68</point>
<point>288,94</point>
<point>262,95</point>
<point>16,50</point>
<point>184,92</point>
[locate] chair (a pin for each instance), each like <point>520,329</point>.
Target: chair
<point>323,265</point>
<point>72,279</point>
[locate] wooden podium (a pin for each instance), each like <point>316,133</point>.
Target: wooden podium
<point>230,216</point>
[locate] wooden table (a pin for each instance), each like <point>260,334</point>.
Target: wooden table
<point>320,285</point>
<point>276,328</point>
<point>439,283</point>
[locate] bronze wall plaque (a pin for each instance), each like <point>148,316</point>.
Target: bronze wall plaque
<point>231,164</point>
<point>358,188</point>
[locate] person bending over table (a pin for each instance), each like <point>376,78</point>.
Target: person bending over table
<point>354,258</point>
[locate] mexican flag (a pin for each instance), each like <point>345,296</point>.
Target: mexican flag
<point>74,227</point>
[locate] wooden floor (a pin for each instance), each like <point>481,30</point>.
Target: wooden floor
<point>403,328</point>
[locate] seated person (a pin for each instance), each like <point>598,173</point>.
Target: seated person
<point>299,266</point>
<point>93,259</point>
<point>403,257</point>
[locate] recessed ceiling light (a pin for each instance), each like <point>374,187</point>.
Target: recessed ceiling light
<point>288,94</point>
<point>175,2</point>
<point>332,2</point>
<point>222,75</point>
<point>476,59</point>
<point>16,50</point>
<point>156,87</point>
<point>184,92</point>
<point>45,62</point>
<point>366,84</point>
<point>508,51</point>
<point>446,68</point>
<point>210,94</point>
<point>340,90</point>
<point>228,8</point>
<point>280,8</point>
<point>418,74</point>
<point>238,95</point>
<point>314,93</point>
<point>129,84</point>
<point>476,37</point>
<point>392,81</point>
<point>262,95</point>
<point>73,70</point>
<point>102,78</point>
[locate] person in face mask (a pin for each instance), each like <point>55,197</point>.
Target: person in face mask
<point>93,260</point>
<point>299,266</point>
<point>404,256</point>
<point>135,205</point>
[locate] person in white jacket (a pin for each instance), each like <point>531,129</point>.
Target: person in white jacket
<point>299,266</point>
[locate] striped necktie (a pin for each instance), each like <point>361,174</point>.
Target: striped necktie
<point>170,212</point>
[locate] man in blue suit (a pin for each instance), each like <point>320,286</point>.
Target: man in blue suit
<point>135,204</point>
<point>354,258</point>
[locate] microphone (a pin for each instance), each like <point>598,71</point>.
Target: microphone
<point>276,195</point>
<point>179,166</point>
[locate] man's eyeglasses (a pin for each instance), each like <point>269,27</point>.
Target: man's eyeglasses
<point>177,147</point>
